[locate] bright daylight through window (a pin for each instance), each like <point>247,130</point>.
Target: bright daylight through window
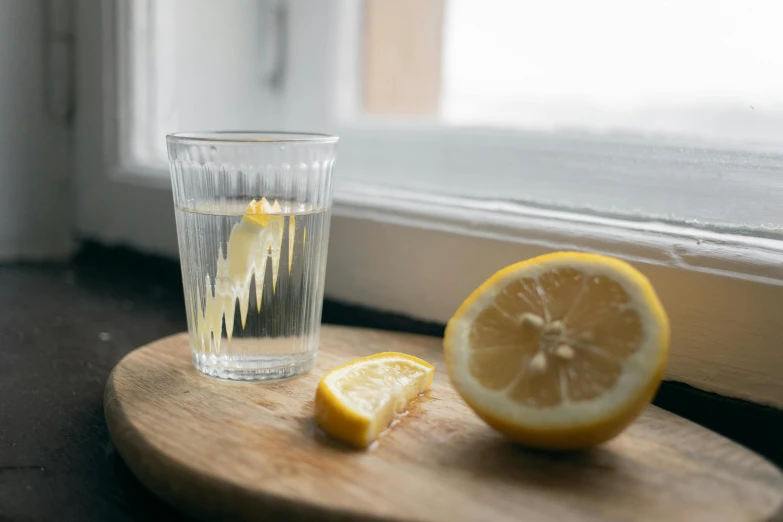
<point>644,119</point>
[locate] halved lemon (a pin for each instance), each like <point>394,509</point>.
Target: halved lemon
<point>359,400</point>
<point>562,351</point>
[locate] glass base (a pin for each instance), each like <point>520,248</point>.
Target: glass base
<point>253,367</point>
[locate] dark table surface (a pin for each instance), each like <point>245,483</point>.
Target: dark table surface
<point>64,326</point>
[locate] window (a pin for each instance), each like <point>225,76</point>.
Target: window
<point>595,112</point>
<point>475,133</point>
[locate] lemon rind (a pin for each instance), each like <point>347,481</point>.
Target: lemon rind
<point>336,416</point>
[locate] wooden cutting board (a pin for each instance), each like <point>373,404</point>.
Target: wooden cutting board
<point>250,451</point>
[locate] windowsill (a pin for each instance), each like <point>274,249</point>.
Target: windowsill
<point>749,257</point>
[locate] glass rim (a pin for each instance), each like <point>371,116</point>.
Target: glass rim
<point>248,136</point>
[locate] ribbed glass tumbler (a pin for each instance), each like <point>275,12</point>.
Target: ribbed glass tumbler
<point>253,213</point>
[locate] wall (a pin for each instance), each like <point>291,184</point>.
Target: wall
<point>35,161</point>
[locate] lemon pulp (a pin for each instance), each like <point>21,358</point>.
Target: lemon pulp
<point>561,351</point>
<point>357,401</point>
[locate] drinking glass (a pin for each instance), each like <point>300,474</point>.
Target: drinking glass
<point>253,212</point>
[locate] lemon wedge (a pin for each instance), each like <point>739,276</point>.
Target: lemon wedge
<point>359,400</point>
<point>562,351</point>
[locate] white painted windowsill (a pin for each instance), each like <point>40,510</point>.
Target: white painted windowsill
<point>746,257</point>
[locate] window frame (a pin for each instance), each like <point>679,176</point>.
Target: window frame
<point>418,253</point>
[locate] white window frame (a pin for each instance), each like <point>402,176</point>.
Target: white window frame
<point>420,254</point>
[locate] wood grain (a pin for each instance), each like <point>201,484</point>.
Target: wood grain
<point>246,451</point>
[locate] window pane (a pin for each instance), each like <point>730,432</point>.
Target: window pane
<point>697,67</point>
<point>668,110</point>
<point>701,69</point>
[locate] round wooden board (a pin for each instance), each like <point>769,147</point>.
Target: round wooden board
<point>250,451</point>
